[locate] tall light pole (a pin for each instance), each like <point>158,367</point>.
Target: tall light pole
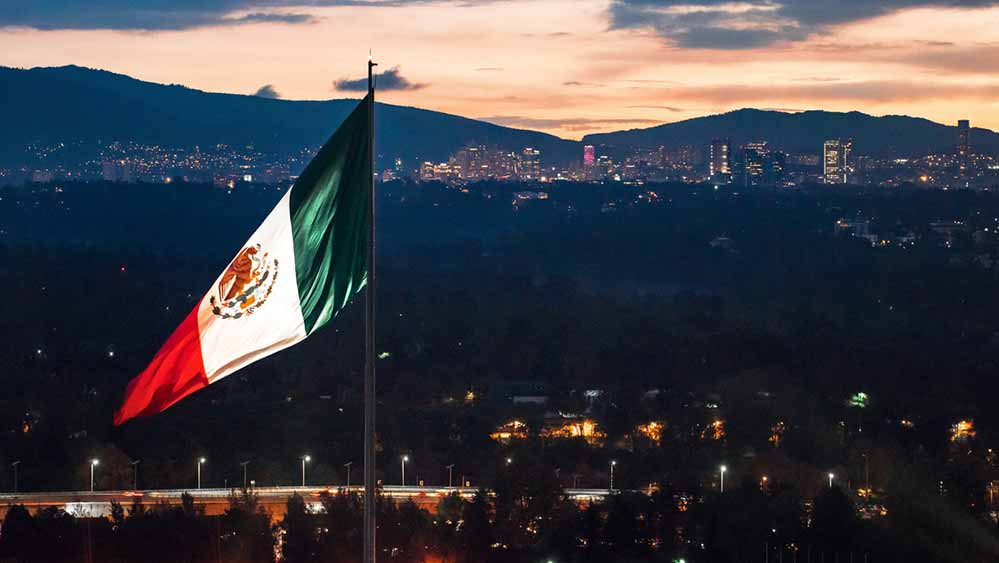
<point>244,464</point>
<point>450,468</point>
<point>305,459</point>
<point>14,465</point>
<point>721,471</point>
<point>613,464</point>
<point>831,477</point>
<point>93,463</point>
<point>403,461</point>
<point>347,465</point>
<point>135,474</point>
<point>201,461</point>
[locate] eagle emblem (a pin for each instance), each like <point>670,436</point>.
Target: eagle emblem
<point>245,285</point>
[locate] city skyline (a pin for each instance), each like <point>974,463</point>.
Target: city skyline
<point>567,68</point>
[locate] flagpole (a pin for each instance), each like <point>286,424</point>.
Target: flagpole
<point>370,550</point>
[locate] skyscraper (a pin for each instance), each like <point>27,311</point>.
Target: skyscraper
<point>530,164</point>
<point>589,156</point>
<point>836,161</point>
<point>754,163</point>
<point>775,164</point>
<point>719,162</point>
<point>963,146</point>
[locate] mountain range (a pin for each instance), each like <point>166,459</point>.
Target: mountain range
<point>71,103</point>
<point>75,104</point>
<point>804,132</point>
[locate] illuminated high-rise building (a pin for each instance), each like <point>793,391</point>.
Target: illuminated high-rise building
<point>720,160</point>
<point>530,164</point>
<point>836,161</point>
<point>776,163</point>
<point>589,156</point>
<point>754,163</point>
<point>427,172</point>
<point>963,146</point>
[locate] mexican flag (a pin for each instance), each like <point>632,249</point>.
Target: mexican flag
<point>296,272</point>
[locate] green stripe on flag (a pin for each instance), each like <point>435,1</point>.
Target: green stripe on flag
<point>329,221</point>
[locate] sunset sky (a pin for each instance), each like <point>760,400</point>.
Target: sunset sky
<point>569,67</point>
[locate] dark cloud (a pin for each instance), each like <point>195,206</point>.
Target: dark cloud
<point>674,109</point>
<point>279,18</point>
<point>267,91</point>
<point>879,91</point>
<point>973,59</point>
<point>569,124</point>
<point>723,24</point>
<point>391,79</point>
<point>153,15</point>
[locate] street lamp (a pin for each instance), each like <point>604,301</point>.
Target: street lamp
<point>613,463</point>
<point>14,465</point>
<point>721,471</point>
<point>243,465</point>
<point>135,474</point>
<point>201,461</point>
<point>347,465</point>
<point>405,458</point>
<point>305,459</point>
<point>831,477</point>
<point>450,468</point>
<point>509,460</point>
<point>93,463</point>
<point>763,482</point>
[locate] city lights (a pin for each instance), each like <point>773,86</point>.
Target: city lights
<point>962,430</point>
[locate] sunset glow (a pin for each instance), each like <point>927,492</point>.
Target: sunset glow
<point>568,67</point>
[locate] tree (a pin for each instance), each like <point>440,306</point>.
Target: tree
<point>341,524</point>
<point>477,531</point>
<point>247,534</point>
<point>834,519</point>
<point>298,531</point>
<point>20,534</point>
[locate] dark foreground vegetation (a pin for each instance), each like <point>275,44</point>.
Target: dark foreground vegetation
<point>751,329</point>
<point>524,521</point>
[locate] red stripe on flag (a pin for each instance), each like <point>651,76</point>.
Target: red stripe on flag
<point>176,371</point>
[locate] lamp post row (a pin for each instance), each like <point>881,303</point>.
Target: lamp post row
<point>305,459</point>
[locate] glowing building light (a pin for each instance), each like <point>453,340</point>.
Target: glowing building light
<point>512,430</point>
<point>859,400</point>
<point>714,431</point>
<point>777,433</point>
<point>962,430</point>
<point>587,429</point>
<point>652,430</point>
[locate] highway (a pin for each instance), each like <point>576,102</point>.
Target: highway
<point>216,501</point>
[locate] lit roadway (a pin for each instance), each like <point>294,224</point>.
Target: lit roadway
<point>216,501</point>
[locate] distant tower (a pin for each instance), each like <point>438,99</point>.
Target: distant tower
<point>754,161</point>
<point>589,156</point>
<point>963,146</point>
<point>530,164</point>
<point>836,160</point>
<point>719,163</point>
<point>775,164</point>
